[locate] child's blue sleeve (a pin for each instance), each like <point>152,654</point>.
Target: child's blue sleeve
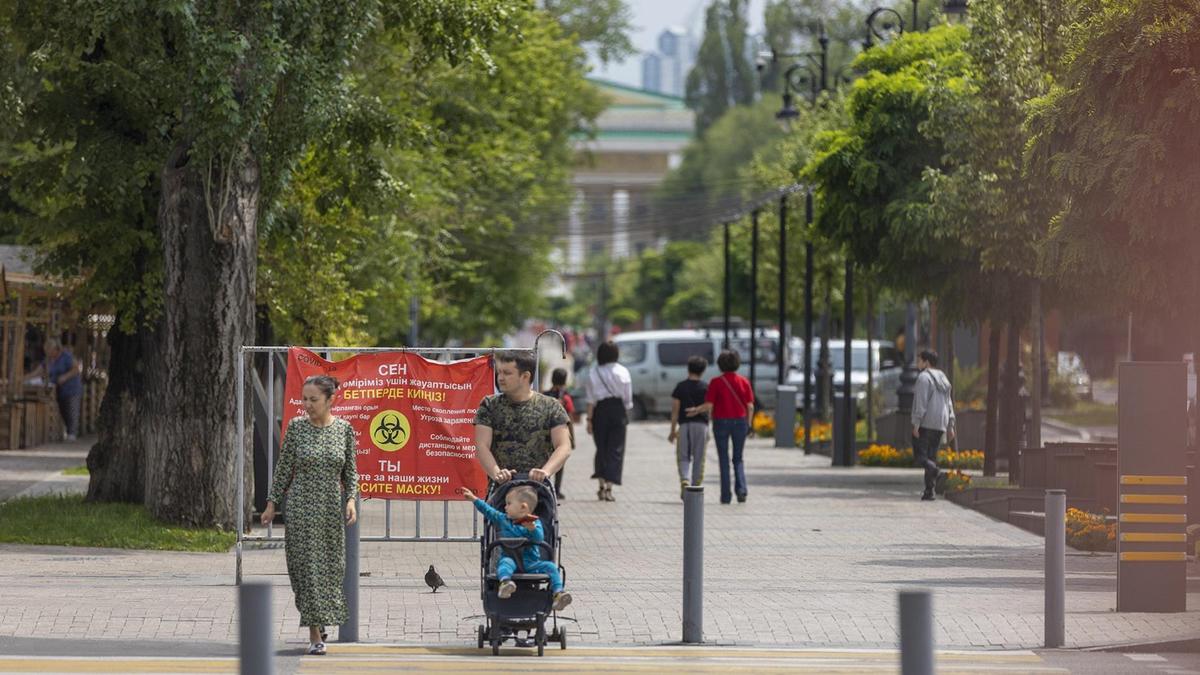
<point>491,513</point>
<point>536,534</point>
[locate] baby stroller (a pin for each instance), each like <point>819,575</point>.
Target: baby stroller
<point>521,617</point>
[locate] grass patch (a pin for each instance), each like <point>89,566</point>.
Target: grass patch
<point>76,471</point>
<point>1088,414</point>
<point>67,520</point>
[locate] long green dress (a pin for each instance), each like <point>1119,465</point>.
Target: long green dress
<point>317,472</point>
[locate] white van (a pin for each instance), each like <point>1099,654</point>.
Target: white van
<point>886,364</point>
<point>657,361</point>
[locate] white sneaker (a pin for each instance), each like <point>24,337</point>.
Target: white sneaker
<point>507,588</point>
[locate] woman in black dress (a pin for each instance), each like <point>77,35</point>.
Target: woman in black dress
<point>610,396</point>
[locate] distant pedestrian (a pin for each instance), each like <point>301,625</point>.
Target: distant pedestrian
<point>689,433</point>
<point>610,397</point>
<point>932,416</point>
<point>558,390</point>
<point>317,472</point>
<point>731,402</point>
<point>62,370</point>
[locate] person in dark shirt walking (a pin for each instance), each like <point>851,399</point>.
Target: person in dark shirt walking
<point>558,390</point>
<point>690,434</point>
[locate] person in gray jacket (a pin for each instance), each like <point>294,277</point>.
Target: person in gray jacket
<point>932,416</point>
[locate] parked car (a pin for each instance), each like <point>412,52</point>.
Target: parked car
<point>886,364</point>
<point>657,361</point>
<point>1070,367</point>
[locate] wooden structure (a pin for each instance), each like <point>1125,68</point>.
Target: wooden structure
<point>35,308</point>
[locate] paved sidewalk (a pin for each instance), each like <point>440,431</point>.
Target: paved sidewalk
<point>813,559</point>
<point>39,470</point>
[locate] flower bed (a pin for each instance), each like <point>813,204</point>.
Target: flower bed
<point>886,455</point>
<point>1090,531</point>
<point>763,424</point>
<point>956,481</point>
<point>967,459</point>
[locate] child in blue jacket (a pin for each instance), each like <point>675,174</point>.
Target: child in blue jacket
<point>518,521</point>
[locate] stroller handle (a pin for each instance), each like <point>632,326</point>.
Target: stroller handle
<point>514,545</point>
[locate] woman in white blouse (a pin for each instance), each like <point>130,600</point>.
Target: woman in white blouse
<point>610,395</point>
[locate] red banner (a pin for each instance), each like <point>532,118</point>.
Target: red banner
<point>414,419</point>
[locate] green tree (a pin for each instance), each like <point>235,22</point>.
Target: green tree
<point>153,142</point>
<point>473,169</point>
<point>599,26</point>
<point>872,198</point>
<point>1118,136</point>
<point>723,77</point>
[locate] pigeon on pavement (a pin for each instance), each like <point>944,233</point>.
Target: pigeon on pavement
<point>433,579</point>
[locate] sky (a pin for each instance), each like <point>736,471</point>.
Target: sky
<point>650,17</point>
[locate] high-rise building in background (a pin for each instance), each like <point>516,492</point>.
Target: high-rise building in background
<point>665,71</point>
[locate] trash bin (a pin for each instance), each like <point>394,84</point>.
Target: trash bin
<point>785,416</point>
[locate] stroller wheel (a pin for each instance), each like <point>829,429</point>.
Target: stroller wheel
<point>480,634</point>
<point>496,648</point>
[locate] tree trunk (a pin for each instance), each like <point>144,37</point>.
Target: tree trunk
<point>1011,407</point>
<point>992,416</point>
<point>209,266</point>
<point>116,463</point>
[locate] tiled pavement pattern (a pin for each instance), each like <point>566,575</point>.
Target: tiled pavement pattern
<point>813,559</point>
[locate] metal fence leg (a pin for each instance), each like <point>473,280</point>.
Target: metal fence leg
<point>1056,567</point>
<point>348,632</point>
<point>255,629</point>
<point>241,459</point>
<point>693,564</point>
<point>916,633</point>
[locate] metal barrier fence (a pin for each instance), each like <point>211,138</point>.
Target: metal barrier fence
<point>267,424</point>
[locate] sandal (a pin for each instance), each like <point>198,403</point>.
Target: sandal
<point>317,649</point>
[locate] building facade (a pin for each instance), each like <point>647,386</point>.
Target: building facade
<point>639,138</point>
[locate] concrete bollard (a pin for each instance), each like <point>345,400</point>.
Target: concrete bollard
<point>693,565</point>
<point>785,416</point>
<point>348,632</point>
<point>916,632</point>
<point>1056,567</point>
<point>255,629</point>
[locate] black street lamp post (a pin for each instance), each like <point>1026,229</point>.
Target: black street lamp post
<point>808,323</point>
<point>781,356</point>
<point>753,303</point>
<point>728,286</point>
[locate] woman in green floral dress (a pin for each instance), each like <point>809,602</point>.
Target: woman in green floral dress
<point>317,472</point>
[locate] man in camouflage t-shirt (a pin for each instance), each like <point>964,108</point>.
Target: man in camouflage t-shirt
<point>520,430</point>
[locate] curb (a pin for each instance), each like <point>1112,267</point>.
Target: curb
<point>1187,646</point>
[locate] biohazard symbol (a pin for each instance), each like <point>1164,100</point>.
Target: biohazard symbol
<point>390,430</point>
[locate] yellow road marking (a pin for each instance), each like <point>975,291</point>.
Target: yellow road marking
<point>1179,537</point>
<point>1168,518</point>
<point>679,653</point>
<point>25,664</point>
<point>1154,480</point>
<point>1154,499</point>
<point>1154,556</point>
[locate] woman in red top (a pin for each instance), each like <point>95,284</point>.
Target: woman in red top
<point>731,403</point>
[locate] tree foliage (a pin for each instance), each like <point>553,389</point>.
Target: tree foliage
<point>1118,134</point>
<point>871,195</point>
<point>723,76</point>
<point>599,26</point>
